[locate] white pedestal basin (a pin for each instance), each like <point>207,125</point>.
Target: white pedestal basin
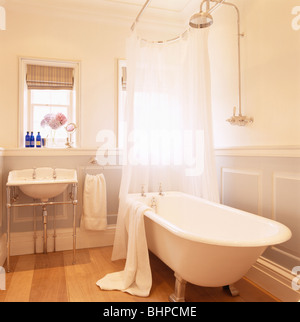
<point>42,183</point>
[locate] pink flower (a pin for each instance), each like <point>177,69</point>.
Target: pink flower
<point>54,121</point>
<point>54,124</point>
<point>61,119</point>
<point>47,119</point>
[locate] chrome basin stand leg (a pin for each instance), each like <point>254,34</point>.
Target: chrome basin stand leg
<point>34,228</point>
<point>45,228</point>
<point>54,229</point>
<point>179,293</point>
<point>8,205</point>
<point>74,198</point>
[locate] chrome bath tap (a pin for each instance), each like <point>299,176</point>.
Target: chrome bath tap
<point>143,191</point>
<point>153,204</point>
<point>161,193</point>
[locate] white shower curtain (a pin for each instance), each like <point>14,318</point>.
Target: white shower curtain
<point>168,121</point>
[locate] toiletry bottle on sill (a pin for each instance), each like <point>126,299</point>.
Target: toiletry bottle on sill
<point>38,140</point>
<point>27,140</point>
<point>32,141</point>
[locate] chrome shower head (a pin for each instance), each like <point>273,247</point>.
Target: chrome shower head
<point>201,20</point>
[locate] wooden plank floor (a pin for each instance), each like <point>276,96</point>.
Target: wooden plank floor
<point>53,278</point>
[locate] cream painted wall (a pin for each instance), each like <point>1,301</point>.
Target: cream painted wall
<point>270,54</point>
<point>96,45</point>
<point>270,70</point>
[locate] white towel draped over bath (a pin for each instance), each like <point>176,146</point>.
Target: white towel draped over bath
<point>94,203</point>
<point>136,279</point>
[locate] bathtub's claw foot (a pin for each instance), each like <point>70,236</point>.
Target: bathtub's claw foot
<point>179,293</point>
<point>232,289</point>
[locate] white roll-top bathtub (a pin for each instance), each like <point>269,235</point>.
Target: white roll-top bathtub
<point>206,243</point>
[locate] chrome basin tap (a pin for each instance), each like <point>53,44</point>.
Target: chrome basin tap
<point>54,174</point>
<point>34,174</point>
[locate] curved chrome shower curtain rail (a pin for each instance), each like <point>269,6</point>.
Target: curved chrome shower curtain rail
<point>209,10</point>
<point>218,3</point>
<point>140,13</point>
<point>137,20</point>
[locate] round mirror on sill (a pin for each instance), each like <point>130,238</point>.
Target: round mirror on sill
<point>71,129</point>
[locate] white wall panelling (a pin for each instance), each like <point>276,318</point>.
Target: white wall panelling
<point>268,184</point>
<point>25,214</point>
<point>286,209</point>
<point>242,189</point>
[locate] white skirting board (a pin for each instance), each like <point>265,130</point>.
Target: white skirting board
<point>23,243</point>
<point>2,249</point>
<point>274,279</point>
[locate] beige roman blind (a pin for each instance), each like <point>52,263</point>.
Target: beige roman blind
<point>49,77</point>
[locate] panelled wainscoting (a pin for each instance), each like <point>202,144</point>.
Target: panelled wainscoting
<point>266,182</point>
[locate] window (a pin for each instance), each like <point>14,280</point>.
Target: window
<point>2,19</point>
<point>156,107</point>
<point>48,88</point>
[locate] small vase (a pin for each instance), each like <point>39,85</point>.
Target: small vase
<point>52,139</point>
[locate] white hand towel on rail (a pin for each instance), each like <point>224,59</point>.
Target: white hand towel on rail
<point>94,203</point>
<point>136,279</point>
